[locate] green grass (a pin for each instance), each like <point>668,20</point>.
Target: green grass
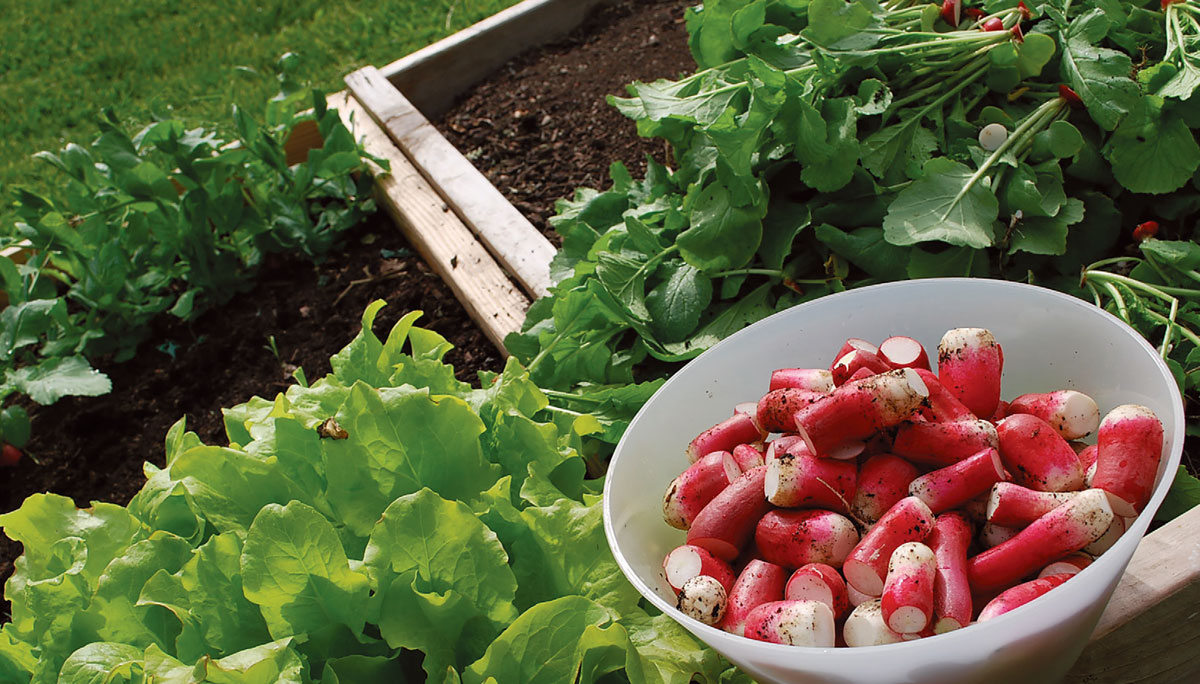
<point>63,61</point>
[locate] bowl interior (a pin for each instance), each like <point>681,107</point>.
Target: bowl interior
<point>1050,341</point>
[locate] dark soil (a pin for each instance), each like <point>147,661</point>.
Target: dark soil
<point>92,449</point>
<point>547,109</point>
<point>541,126</point>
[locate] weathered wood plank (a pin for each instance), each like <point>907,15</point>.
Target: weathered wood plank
<point>490,298</point>
<point>433,76</point>
<point>1150,631</point>
<point>520,248</point>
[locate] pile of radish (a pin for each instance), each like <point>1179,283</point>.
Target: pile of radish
<point>875,501</point>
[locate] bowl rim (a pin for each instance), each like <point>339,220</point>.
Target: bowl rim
<point>707,633</point>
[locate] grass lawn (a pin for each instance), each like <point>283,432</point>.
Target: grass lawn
<point>64,60</point>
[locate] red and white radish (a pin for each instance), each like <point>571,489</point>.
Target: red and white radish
<point>793,538</point>
<point>857,410</point>
<point>943,406</point>
<point>724,436</point>
<point>1037,456</point>
<point>1129,446</point>
<point>970,364</point>
<point>907,599</point>
<point>943,443</point>
<point>1115,529</point>
<point>1069,564</point>
<point>796,623</point>
<point>991,534</point>
<point>866,566</point>
<point>1072,414</point>
<point>702,598</point>
<point>811,379</point>
<point>1012,505</point>
<point>954,485</point>
<point>1019,595</point>
<point>695,487</point>
<point>759,582</point>
<point>866,626</point>
<point>882,480</point>
<point>775,411</point>
<point>1068,528</point>
<point>900,351</point>
<point>819,582</point>
<point>727,522</point>
<point>797,478</point>
<point>855,362</point>
<point>952,603</point>
<point>687,561</point>
<point>747,456</point>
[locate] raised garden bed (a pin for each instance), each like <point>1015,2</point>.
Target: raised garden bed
<point>1143,635</point>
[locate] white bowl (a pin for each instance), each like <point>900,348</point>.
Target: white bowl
<point>1050,341</point>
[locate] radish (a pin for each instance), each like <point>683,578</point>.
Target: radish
<point>949,540</point>
<point>1129,446</point>
<point>819,582</point>
<point>1070,527</point>
<point>9,455</point>
<point>900,351</point>
<point>1087,457</point>
<point>774,411</point>
<point>1072,414</point>
<point>882,480</point>
<point>944,406</point>
<point>992,136</point>
<point>1110,536</point>
<point>687,561</point>
<point>866,626</point>
<point>1012,505</point>
<point>857,410</point>
<point>992,24</point>
<point>907,599</point>
<point>796,478</point>
<point>1069,564</point>
<point>724,436</point>
<point>1037,456</point>
<point>796,623</point>
<point>856,361</point>
<point>991,534</point>
<point>969,366</point>
<point>952,12</point>
<point>1019,595</point>
<point>954,485</point>
<point>793,538</point>
<point>866,566</point>
<point>747,456</point>
<point>727,522</point>
<point>691,491</point>
<point>702,598</point>
<point>944,443</point>
<point>759,582</point>
<point>811,379</point>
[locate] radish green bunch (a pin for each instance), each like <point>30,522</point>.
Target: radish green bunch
<point>828,144</point>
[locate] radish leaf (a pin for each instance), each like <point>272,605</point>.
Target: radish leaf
<point>945,205</point>
<point>1153,151</point>
<point>1100,76</point>
<point>675,304</point>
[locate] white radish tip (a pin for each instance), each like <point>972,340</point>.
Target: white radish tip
<point>901,350</point>
<point>913,378</point>
<point>681,564</point>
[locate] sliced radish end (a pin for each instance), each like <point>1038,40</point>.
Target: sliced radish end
<point>845,452</point>
<point>913,378</point>
<point>863,578</point>
<point>901,351</point>
<point>946,624</point>
<point>682,564</point>
<point>732,470</point>
<point>810,588</point>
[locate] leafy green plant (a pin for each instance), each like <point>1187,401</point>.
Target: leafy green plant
<point>828,144</point>
<point>386,507</point>
<point>171,220</point>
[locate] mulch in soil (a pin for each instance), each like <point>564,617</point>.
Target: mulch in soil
<point>298,315</point>
<point>540,127</point>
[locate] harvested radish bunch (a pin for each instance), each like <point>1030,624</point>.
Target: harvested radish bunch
<point>916,495</point>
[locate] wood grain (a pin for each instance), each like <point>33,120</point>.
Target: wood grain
<point>489,297</point>
<point>519,247</point>
<point>1150,631</point>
